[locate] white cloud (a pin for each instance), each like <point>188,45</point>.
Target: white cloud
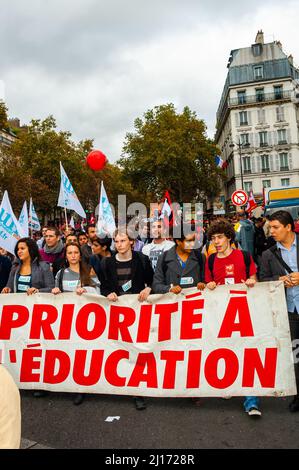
<point>97,66</point>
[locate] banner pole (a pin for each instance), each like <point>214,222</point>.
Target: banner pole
<point>66,224</point>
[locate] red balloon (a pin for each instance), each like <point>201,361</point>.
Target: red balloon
<point>96,160</point>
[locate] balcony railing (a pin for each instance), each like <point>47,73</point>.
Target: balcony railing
<point>284,95</point>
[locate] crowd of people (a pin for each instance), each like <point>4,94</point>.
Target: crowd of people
<point>227,251</point>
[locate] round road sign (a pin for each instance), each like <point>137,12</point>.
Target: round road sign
<point>239,198</point>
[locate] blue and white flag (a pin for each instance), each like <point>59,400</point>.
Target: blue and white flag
<point>106,223</point>
<point>67,196</point>
<point>33,219</point>
<point>23,220</point>
<point>72,223</point>
<point>10,229</point>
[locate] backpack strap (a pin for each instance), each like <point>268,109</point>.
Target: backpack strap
<point>211,261</point>
<point>282,263</point>
<point>247,260</point>
<point>60,285</point>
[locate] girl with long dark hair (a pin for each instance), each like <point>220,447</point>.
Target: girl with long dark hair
<point>29,274</point>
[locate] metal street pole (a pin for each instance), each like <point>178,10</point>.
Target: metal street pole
<point>241,169</point>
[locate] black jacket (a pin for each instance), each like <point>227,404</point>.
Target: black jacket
<point>142,274</point>
<point>5,267</point>
<point>169,271</point>
<point>271,269</point>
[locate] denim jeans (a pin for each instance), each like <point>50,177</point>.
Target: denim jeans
<point>251,402</point>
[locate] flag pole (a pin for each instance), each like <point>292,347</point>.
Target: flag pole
<point>66,224</point>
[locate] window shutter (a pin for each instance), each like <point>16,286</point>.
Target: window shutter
<point>277,165</point>
<point>277,114</point>
<point>257,140</point>
<point>259,116</point>
<point>258,163</point>
<point>290,161</point>
<point>253,164</point>
<point>288,135</point>
<point>249,117</point>
<point>270,138</point>
<point>237,116</point>
<point>263,115</point>
<point>251,142</point>
<point>271,163</point>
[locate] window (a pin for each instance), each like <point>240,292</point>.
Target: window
<point>278,92</point>
<point>246,164</point>
<point>285,181</point>
<point>259,94</point>
<point>243,118</point>
<point>266,183</point>
<point>244,140</point>
<point>265,163</point>
<point>248,186</point>
<point>258,72</point>
<point>279,113</point>
<point>283,161</point>
<point>282,136</point>
<point>263,139</point>
<point>257,49</point>
<point>242,97</point>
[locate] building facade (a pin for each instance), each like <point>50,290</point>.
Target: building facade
<point>258,120</point>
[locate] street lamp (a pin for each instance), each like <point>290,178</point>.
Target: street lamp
<point>240,146</point>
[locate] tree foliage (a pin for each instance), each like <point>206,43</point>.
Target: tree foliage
<point>30,168</point>
<point>3,115</point>
<point>171,151</point>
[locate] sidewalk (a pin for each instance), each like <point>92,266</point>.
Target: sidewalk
<point>27,444</point>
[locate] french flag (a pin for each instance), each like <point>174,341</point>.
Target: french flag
<point>220,163</point>
<point>251,204</point>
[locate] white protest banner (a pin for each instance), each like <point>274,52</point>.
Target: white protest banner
<point>67,196</point>
<point>232,341</point>
<point>23,220</point>
<point>34,223</point>
<point>10,229</point>
<point>106,222</point>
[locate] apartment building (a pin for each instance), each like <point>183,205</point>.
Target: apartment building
<point>258,119</point>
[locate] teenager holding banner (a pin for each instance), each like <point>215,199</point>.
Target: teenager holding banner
<point>127,272</point>
<point>29,274</point>
<point>181,266</point>
<point>74,277</point>
<point>281,262</point>
<point>230,266</point>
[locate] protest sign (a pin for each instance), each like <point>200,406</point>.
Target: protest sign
<point>231,341</point>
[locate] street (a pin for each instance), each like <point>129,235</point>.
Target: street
<point>167,423</point>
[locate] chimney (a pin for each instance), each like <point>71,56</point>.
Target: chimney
<point>259,39</point>
<point>279,44</point>
<point>291,59</point>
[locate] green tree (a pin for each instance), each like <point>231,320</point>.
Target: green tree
<point>3,115</point>
<point>171,151</point>
<point>30,168</point>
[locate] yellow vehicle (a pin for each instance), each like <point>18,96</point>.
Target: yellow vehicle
<point>285,198</point>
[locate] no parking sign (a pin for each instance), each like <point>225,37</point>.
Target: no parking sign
<point>239,198</point>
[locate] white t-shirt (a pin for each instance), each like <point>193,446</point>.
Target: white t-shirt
<point>154,250</point>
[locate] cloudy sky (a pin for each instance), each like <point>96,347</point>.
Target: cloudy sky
<point>96,65</point>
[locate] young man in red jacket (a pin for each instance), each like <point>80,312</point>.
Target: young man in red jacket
<point>230,266</point>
